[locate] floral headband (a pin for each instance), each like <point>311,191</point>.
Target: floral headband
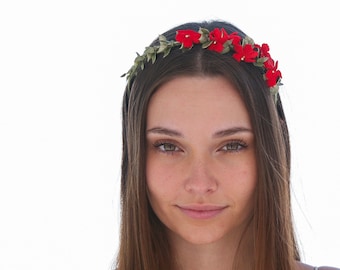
<point>218,40</point>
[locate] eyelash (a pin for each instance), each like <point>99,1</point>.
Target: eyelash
<point>162,144</point>
<point>234,146</point>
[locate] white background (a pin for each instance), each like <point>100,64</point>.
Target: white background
<point>60,95</point>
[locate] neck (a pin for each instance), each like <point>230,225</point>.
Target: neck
<point>205,256</point>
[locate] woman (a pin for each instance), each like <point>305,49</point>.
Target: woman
<point>206,156</point>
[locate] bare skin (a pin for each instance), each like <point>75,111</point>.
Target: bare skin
<point>201,171</point>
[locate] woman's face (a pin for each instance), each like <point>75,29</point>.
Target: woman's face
<point>200,167</point>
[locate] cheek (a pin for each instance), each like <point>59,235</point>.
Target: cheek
<point>160,180</point>
<point>240,181</point>
<point>247,190</point>
<point>248,176</point>
<point>247,186</point>
<point>163,188</point>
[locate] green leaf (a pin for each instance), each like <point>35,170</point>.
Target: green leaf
<point>162,47</point>
<point>227,47</point>
<point>206,44</point>
<point>247,40</point>
<point>163,44</point>
<point>226,50</point>
<point>153,58</point>
<point>138,59</point>
<point>274,91</point>
<point>204,31</point>
<point>204,36</point>
<point>166,51</point>
<point>261,60</point>
<point>149,53</point>
<point>162,38</point>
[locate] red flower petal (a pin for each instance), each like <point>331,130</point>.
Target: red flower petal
<point>188,38</point>
<point>272,77</point>
<point>219,37</point>
<point>245,53</point>
<point>264,50</point>
<point>238,52</point>
<point>235,38</point>
<point>269,64</point>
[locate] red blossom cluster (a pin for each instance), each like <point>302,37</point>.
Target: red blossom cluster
<point>249,53</point>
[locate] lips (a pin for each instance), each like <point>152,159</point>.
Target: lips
<point>201,211</point>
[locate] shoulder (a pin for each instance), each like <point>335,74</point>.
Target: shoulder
<point>302,266</point>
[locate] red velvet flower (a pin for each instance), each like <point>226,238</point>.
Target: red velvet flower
<point>270,64</point>
<point>264,50</point>
<point>235,38</point>
<point>245,53</point>
<point>273,75</point>
<point>219,37</point>
<point>188,37</point>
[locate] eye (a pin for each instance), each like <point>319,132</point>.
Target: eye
<point>234,146</point>
<point>166,147</point>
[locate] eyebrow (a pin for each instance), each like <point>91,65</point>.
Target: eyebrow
<point>165,131</point>
<point>231,131</point>
<point>218,134</point>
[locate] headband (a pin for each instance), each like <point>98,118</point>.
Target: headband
<point>218,40</point>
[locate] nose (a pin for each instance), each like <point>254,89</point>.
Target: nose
<point>199,176</point>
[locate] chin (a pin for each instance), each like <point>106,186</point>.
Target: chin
<point>198,236</point>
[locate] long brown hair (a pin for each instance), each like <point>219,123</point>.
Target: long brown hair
<point>143,241</point>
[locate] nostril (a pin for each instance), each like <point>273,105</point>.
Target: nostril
<point>199,174</point>
<point>201,183</point>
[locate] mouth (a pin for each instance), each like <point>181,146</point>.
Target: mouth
<point>202,211</point>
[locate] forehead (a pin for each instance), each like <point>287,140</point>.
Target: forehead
<point>197,101</point>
